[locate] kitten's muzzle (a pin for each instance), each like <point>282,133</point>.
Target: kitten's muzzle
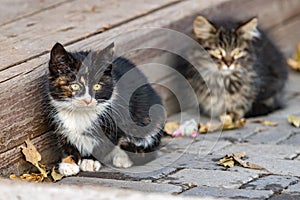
<point>87,101</point>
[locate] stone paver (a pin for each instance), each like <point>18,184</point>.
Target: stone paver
<point>133,185</point>
<point>213,178</point>
<point>272,157</point>
<point>187,167</point>
<point>293,188</point>
<point>273,182</point>
<point>204,191</point>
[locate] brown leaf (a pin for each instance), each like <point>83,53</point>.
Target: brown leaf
<point>226,124</point>
<point>226,161</point>
<point>294,120</point>
<point>230,160</point>
<point>264,122</point>
<point>56,176</point>
<point>247,164</point>
<point>33,177</point>
<point>30,153</point>
<point>171,126</point>
<point>33,156</point>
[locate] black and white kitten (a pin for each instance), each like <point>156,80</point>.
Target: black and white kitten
<point>242,74</point>
<point>103,109</point>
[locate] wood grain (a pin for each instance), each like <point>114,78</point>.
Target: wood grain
<point>11,11</point>
<point>70,22</point>
<point>23,86</point>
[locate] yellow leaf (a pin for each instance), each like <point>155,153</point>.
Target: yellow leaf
<point>14,177</point>
<point>265,122</point>
<point>228,123</point>
<point>56,176</point>
<point>30,153</point>
<point>33,156</point>
<point>226,162</point>
<point>230,160</point>
<point>294,62</point>
<point>294,120</point>
<point>171,126</point>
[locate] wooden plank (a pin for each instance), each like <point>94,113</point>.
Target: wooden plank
<point>12,160</point>
<point>168,15</point>
<point>14,10</point>
<point>70,22</point>
<point>287,35</point>
<point>30,121</point>
<point>32,73</point>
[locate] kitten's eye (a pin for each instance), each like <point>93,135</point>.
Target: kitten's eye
<point>216,53</point>
<point>238,53</point>
<point>97,87</point>
<point>75,86</point>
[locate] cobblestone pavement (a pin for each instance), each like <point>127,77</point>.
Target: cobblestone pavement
<point>187,167</point>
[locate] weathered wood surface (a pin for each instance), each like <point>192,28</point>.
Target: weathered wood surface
<point>11,11</point>
<point>72,21</point>
<point>22,85</point>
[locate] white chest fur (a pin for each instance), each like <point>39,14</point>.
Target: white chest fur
<point>75,126</point>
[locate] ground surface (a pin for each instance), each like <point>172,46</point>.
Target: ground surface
<point>187,167</point>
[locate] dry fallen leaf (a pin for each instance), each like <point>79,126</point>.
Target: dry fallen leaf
<point>294,62</point>
<point>33,177</point>
<point>264,122</point>
<point>230,160</point>
<point>294,120</point>
<point>34,157</point>
<point>227,124</point>
<point>226,161</point>
<point>56,176</point>
<point>171,126</point>
<point>30,153</point>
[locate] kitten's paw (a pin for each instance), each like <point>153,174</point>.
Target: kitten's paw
<point>68,169</point>
<point>121,160</point>
<point>89,165</point>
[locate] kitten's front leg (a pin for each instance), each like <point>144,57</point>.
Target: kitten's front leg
<point>119,158</point>
<point>89,165</point>
<point>72,163</point>
<point>70,159</point>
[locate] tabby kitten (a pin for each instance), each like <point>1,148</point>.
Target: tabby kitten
<point>100,107</point>
<point>247,75</point>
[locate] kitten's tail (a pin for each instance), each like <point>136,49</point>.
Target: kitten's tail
<point>142,150</point>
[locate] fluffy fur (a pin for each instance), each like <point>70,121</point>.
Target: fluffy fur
<point>100,108</point>
<point>242,73</point>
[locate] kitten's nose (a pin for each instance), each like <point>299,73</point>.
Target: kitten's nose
<point>87,101</point>
<point>228,61</point>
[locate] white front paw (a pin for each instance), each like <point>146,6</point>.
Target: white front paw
<point>122,160</point>
<point>68,169</point>
<point>89,165</point>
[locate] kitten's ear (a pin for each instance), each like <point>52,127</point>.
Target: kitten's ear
<point>59,58</point>
<point>59,54</point>
<point>249,30</point>
<point>106,54</point>
<point>203,29</point>
<point>104,58</point>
